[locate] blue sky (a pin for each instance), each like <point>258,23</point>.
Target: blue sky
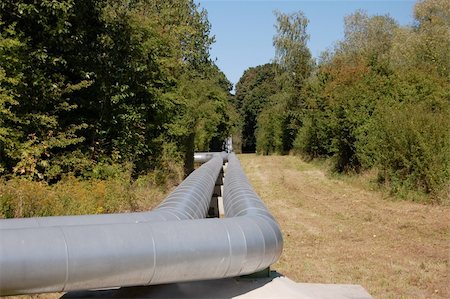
<point>244,28</point>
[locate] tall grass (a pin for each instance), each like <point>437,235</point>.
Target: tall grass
<point>117,192</point>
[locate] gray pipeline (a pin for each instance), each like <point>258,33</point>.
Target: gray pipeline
<point>61,257</point>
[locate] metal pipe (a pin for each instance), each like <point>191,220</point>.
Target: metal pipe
<point>190,200</point>
<point>65,258</point>
<point>202,157</point>
<point>241,201</point>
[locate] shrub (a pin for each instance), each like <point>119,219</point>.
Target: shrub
<point>414,148</point>
<point>269,133</point>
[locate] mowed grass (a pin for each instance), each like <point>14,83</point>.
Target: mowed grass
<point>339,231</point>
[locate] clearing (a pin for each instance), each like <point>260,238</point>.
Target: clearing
<point>338,231</point>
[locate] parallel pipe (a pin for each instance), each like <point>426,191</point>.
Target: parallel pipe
<point>190,200</point>
<point>74,257</point>
<point>241,202</point>
<point>202,157</point>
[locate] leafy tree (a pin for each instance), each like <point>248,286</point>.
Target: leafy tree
<point>315,137</point>
<point>432,42</point>
<point>381,100</point>
<point>87,82</point>
<point>253,91</point>
<point>367,37</point>
<point>346,90</point>
<point>205,108</point>
<point>290,42</point>
<point>271,126</point>
<point>9,79</point>
<point>295,65</point>
<point>44,31</point>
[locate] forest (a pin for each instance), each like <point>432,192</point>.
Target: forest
<point>98,90</point>
<point>378,101</point>
<point>99,98</point>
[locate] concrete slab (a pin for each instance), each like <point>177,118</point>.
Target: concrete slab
<point>283,287</point>
<point>242,288</point>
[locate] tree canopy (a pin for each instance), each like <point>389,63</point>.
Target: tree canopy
<point>112,81</point>
<point>379,100</point>
<point>252,93</point>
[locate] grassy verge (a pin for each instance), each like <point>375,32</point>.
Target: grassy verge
<point>342,230</point>
<point>73,196</point>
<point>370,180</point>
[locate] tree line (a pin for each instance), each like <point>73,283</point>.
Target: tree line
<point>86,84</point>
<point>379,100</point>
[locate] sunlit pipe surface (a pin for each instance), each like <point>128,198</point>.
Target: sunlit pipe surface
<point>80,257</point>
<point>202,157</point>
<point>190,200</point>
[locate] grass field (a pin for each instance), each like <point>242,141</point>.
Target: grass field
<point>339,231</point>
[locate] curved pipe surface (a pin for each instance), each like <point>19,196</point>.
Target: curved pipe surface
<point>202,157</point>
<point>73,257</point>
<point>190,200</point>
<point>241,202</point>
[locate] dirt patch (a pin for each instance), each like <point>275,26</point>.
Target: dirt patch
<point>339,232</point>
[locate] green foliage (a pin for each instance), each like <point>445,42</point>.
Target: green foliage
<point>413,150</point>
<point>431,43</point>
<point>268,96</point>
<point>252,95</point>
<point>41,32</point>
<point>295,65</point>
<point>9,135</point>
<point>380,100</point>
<point>207,111</point>
<point>270,128</point>
<point>86,84</point>
<point>290,42</point>
<point>369,37</point>
<point>287,103</point>
<point>313,139</point>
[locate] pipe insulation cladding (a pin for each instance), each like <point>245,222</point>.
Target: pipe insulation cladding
<point>202,157</point>
<point>60,258</point>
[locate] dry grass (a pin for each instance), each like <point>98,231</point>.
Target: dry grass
<point>71,196</point>
<point>24,198</point>
<point>336,231</point>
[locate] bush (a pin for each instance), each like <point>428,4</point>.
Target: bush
<point>414,148</point>
<point>313,139</point>
<point>269,133</point>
